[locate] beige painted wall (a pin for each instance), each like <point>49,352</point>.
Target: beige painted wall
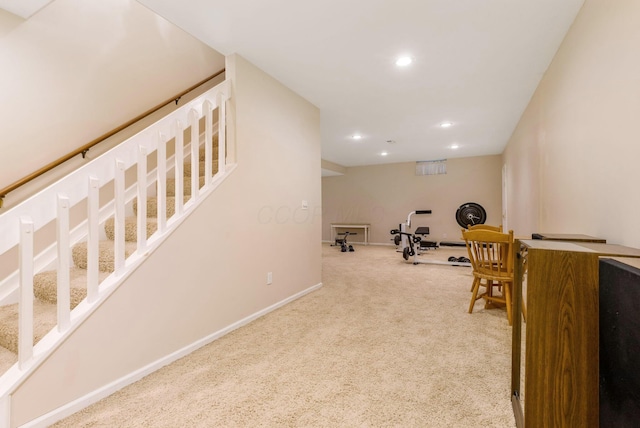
<point>78,69</point>
<point>383,195</point>
<point>212,271</point>
<point>573,158</point>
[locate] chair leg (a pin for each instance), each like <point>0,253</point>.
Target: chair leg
<point>476,287</point>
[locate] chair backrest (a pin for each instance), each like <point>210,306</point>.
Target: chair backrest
<point>490,252</point>
<point>484,227</point>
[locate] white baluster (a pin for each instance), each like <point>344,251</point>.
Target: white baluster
<point>142,200</point>
<point>119,244</point>
<point>195,142</point>
<point>222,133</point>
<point>25,306</point>
<point>64,262</point>
<point>93,239</point>
<point>208,143</point>
<point>179,167</point>
<point>161,153</point>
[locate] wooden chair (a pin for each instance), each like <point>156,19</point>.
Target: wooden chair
<point>484,227</point>
<point>491,255</point>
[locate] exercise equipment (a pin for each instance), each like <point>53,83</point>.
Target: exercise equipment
<point>470,213</point>
<point>409,250</point>
<point>401,238</point>
<point>410,244</point>
<point>342,243</point>
<point>413,241</point>
<point>456,260</point>
<point>423,231</point>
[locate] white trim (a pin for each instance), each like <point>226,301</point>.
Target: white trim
<point>100,393</point>
<point>505,197</point>
<point>5,411</point>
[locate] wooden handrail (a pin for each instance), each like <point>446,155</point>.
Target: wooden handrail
<point>85,148</point>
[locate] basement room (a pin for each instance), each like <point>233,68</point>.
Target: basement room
<point>319,214</point>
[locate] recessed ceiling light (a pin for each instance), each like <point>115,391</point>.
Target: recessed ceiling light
<point>357,137</point>
<point>404,61</point>
<point>454,146</point>
<point>446,124</point>
<point>384,154</point>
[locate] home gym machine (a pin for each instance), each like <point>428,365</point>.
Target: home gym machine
<point>413,243</point>
<point>410,244</point>
<point>401,239</point>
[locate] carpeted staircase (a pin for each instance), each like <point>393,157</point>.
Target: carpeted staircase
<point>44,284</point>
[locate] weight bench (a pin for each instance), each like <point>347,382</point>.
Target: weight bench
<point>340,241</point>
<point>425,245</point>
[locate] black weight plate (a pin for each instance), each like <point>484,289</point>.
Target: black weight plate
<point>396,239</point>
<point>405,253</point>
<point>470,213</point>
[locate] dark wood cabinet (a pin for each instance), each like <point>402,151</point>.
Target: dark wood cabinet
<point>619,385</point>
<point>561,344</point>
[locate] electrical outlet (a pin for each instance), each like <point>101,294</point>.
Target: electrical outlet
<point>444,235</point>
<point>269,277</point>
<point>305,205</point>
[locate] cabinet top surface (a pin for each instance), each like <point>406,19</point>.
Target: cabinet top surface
<point>571,237</point>
<point>581,247</point>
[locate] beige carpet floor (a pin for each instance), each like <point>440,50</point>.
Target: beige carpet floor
<point>382,344</point>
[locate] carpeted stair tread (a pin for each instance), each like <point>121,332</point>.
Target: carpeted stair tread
<point>130,228</point>
<point>45,285</point>
<point>106,260</point>
<point>201,156</point>
<point>214,149</point>
<point>152,205</point>
<point>44,319</point>
<point>7,359</point>
<point>187,168</point>
<point>186,185</point>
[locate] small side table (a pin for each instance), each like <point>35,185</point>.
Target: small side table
<point>364,226</point>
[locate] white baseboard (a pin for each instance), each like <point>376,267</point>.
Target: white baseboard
<point>362,243</point>
<point>100,393</point>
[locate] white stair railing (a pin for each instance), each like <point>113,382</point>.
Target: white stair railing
<point>20,224</point>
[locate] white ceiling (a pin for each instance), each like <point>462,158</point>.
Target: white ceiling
<point>476,64</point>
